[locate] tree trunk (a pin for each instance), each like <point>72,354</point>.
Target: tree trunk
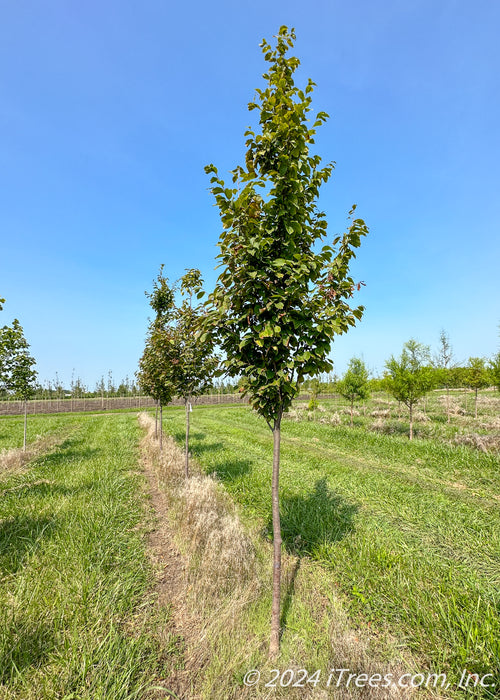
<point>156,422</point>
<point>161,427</point>
<point>411,421</point>
<point>475,404</point>
<point>448,403</point>
<point>25,423</point>
<point>352,406</point>
<point>186,456</point>
<point>274,645</point>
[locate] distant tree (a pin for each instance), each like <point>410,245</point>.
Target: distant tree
<point>354,384</point>
<point>111,388</point>
<point>279,300</point>
<point>17,374</point>
<point>443,362</point>
<point>477,377</point>
<point>410,377</point>
<point>313,387</point>
<point>494,367</point>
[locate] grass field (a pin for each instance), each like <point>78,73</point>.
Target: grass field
<point>76,616</point>
<point>392,556</point>
<point>407,533</point>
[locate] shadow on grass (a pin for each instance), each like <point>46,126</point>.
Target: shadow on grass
<point>309,525</point>
<point>72,449</point>
<point>314,520</point>
<point>20,536</point>
<point>24,645</point>
<point>197,444</point>
<point>43,489</point>
<point>230,469</point>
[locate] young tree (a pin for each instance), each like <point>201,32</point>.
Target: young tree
<point>154,374</point>
<point>443,362</point>
<point>409,377</point>
<point>354,384</point>
<point>16,366</point>
<point>476,377</point>
<point>279,300</point>
<point>494,367</point>
<point>175,361</point>
<point>193,363</point>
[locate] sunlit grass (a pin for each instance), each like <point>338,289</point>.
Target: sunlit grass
<point>408,532</point>
<point>74,570</point>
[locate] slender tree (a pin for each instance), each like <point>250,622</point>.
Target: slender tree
<point>410,377</point>
<point>279,300</point>
<point>154,374</point>
<point>17,374</point>
<point>443,362</point>
<point>354,384</point>
<point>193,363</point>
<point>476,377</point>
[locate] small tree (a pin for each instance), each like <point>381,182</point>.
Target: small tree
<point>193,363</point>
<point>279,300</point>
<point>476,377</point>
<point>494,367</point>
<point>154,374</point>
<point>409,377</point>
<point>16,366</point>
<point>175,361</point>
<point>354,384</point>
<point>443,362</point>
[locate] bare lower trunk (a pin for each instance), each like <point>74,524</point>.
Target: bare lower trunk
<point>25,423</point>
<point>156,422</point>
<point>161,427</point>
<point>352,408</point>
<point>186,456</point>
<point>475,405</point>
<point>411,422</point>
<point>275,614</point>
<point>448,404</point>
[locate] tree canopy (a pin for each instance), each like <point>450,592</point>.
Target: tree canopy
<point>280,298</point>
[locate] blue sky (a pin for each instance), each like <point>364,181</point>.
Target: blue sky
<point>109,112</point>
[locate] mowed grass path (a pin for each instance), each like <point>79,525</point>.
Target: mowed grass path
<point>73,568</point>
<point>408,532</point>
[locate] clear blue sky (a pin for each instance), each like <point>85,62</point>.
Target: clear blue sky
<point>109,112</point>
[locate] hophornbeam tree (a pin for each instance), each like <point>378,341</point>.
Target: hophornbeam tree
<point>193,362</point>
<point>175,362</point>
<point>154,374</point>
<point>280,298</point>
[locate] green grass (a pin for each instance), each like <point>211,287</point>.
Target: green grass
<point>11,428</point>
<point>76,614</point>
<point>408,533</point>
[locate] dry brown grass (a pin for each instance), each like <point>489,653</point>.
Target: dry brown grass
<point>483,443</point>
<point>381,413</point>
<point>16,459</point>
<point>221,556</point>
